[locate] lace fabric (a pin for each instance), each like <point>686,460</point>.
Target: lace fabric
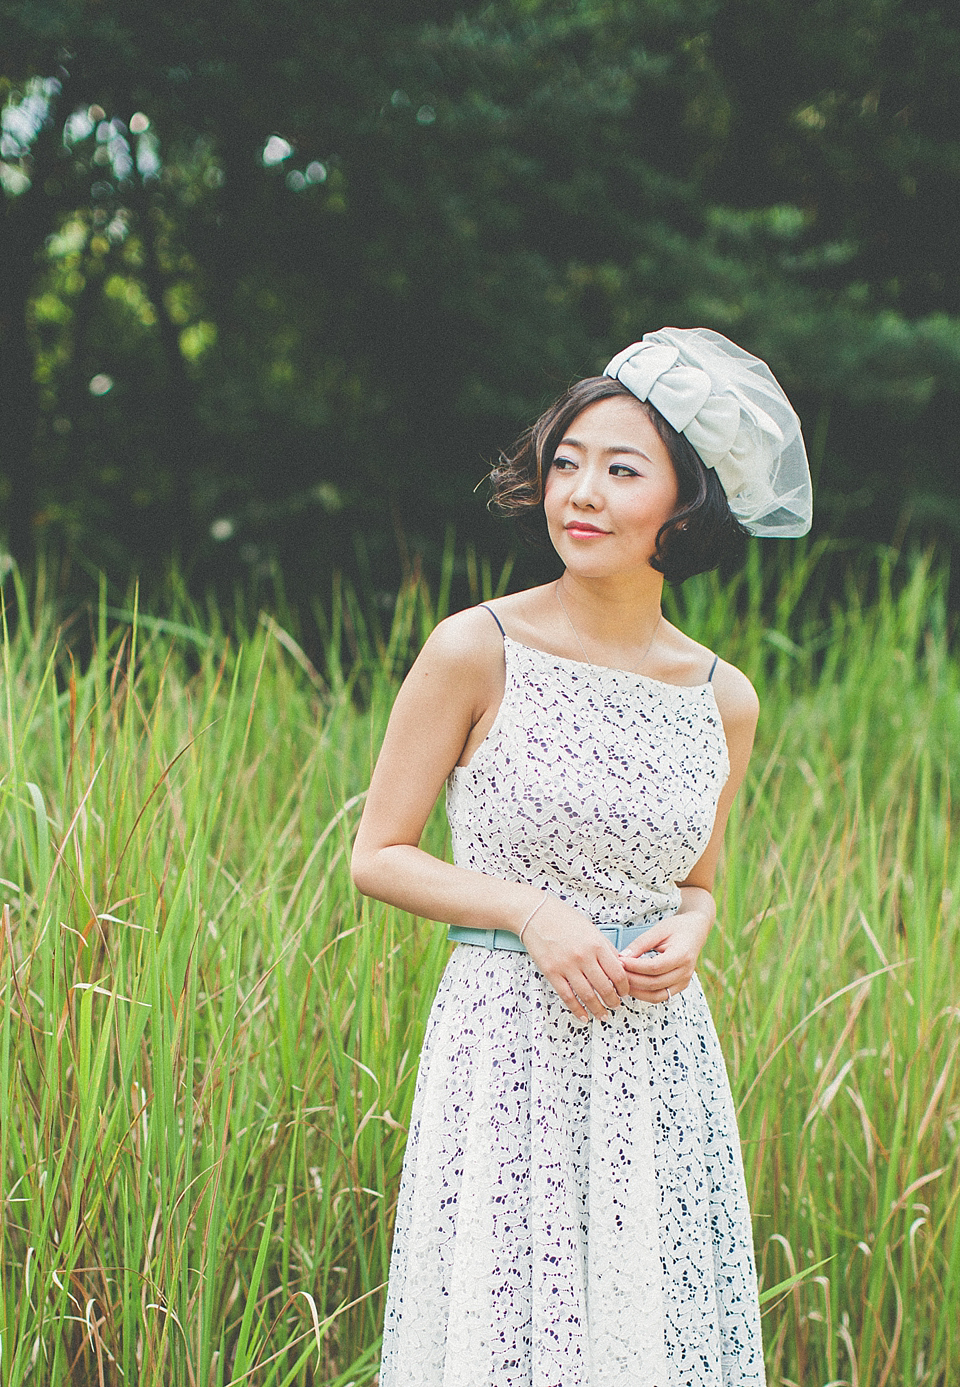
<point>573,1211</point>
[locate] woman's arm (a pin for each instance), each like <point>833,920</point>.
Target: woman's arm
<point>446,694</point>
<point>679,939</point>
<point>451,692</point>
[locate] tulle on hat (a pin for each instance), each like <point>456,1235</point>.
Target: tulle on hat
<point>733,410</point>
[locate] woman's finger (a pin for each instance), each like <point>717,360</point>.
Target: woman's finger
<point>650,968</point>
<point>570,999</point>
<point>587,992</point>
<point>649,941</point>
<point>604,986</point>
<point>615,971</point>
<point>611,965</point>
<point>656,990</point>
<point>669,961</point>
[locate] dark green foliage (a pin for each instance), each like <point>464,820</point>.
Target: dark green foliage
<point>466,208</point>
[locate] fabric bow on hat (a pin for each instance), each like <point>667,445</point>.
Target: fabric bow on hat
<point>732,409</point>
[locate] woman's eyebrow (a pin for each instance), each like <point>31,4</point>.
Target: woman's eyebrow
<point>615,448</point>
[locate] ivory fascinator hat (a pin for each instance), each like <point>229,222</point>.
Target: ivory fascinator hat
<point>730,406</point>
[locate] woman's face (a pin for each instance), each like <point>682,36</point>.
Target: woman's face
<point>609,488</point>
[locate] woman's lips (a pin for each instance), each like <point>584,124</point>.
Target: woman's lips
<point>582,531</point>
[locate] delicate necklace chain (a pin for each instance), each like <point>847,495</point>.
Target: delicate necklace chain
<point>576,633</point>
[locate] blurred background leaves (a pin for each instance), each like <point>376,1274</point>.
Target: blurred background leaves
<point>276,282</point>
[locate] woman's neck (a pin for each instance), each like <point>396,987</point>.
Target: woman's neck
<point>611,619</point>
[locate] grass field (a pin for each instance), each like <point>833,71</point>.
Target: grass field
<point>208,1043</point>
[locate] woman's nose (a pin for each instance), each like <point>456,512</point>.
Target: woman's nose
<point>585,490</point>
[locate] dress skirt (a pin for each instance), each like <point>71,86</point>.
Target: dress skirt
<point>573,1211</point>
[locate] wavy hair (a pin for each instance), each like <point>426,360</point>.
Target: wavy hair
<point>700,535</point>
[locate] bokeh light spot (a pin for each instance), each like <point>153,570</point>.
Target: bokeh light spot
<point>78,126</point>
<point>276,150</point>
<point>139,123</point>
<point>100,384</point>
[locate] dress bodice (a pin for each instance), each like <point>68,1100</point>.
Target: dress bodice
<point>597,784</point>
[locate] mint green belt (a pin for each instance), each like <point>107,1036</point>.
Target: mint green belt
<point>619,935</point>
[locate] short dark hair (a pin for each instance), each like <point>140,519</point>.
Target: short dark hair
<point>699,536</point>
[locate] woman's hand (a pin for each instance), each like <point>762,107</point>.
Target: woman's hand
<point>581,966</point>
<point>675,944</point>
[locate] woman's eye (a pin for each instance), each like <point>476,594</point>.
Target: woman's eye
<point>563,464</point>
<point>619,469</point>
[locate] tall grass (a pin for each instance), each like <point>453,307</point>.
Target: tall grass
<point>208,1044</point>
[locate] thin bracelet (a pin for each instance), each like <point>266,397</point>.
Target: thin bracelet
<point>542,901</point>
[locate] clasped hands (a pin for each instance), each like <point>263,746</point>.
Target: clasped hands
<point>591,978</point>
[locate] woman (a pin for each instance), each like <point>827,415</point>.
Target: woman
<point>573,1210</point>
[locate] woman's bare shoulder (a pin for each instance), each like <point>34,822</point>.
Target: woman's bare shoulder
<point>533,617</point>
<point>457,676</point>
<point>736,697</point>
<point>693,663</point>
<point>466,645</point>
<point>479,631</point>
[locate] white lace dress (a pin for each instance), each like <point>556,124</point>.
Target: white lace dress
<point>573,1210</point>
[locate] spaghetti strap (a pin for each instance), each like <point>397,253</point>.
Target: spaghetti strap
<point>712,667</point>
<point>496,618</point>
